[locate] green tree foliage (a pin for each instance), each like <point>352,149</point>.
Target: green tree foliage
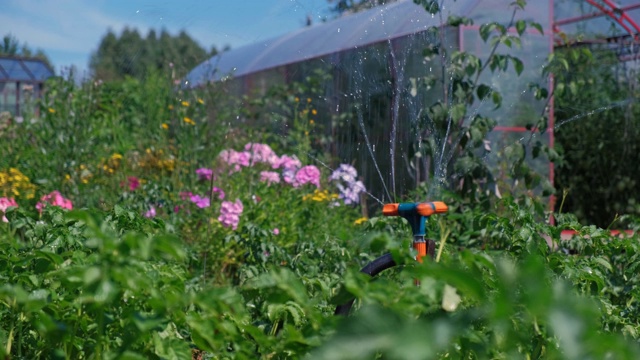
<point>132,55</point>
<point>598,132</point>
<point>11,46</point>
<point>340,7</point>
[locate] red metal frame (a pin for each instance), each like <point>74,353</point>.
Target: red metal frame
<point>619,14</point>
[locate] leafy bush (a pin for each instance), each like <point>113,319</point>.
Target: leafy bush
<point>194,239</point>
<point>598,136</point>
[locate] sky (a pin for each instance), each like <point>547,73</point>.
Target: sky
<point>70,30</point>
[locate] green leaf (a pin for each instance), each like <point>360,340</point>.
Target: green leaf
<point>171,348</point>
<point>485,30</point>
<point>521,26</point>
<point>602,261</point>
<point>431,6</point>
<point>538,27</point>
<point>483,91</point>
<point>169,246</point>
<point>497,99</point>
<point>92,275</point>
<point>458,111</point>
<point>518,65</point>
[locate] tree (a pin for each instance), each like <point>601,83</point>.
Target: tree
<point>340,7</point>
<point>12,47</point>
<point>134,56</point>
<point>9,45</point>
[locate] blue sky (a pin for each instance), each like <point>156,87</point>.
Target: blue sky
<point>69,30</point>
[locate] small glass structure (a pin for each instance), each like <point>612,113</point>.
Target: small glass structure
<point>375,57</point>
<point>21,80</point>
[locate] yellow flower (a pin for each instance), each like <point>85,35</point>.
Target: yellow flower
<point>297,99</point>
<point>308,100</point>
<point>360,221</point>
<point>320,196</point>
<point>311,122</point>
<point>170,107</point>
<point>189,121</point>
<point>306,133</point>
<point>115,156</point>
<point>200,101</point>
<point>13,181</point>
<point>314,112</point>
<point>51,110</point>
<point>185,103</point>
<point>67,177</point>
<point>165,126</point>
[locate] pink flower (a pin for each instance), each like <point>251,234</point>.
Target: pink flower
<point>309,174</point>
<point>230,213</point>
<point>56,199</point>
<point>235,158</point>
<point>286,162</point>
<point>185,195</point>
<point>276,231</point>
<point>204,174</point>
<point>6,203</point>
<point>270,177</point>
<point>219,191</point>
<point>289,176</point>
<point>201,202</point>
<point>261,153</point>
<point>151,212</point>
<point>133,182</point>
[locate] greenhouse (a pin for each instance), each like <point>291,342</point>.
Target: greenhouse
<point>373,103</point>
<point>21,79</point>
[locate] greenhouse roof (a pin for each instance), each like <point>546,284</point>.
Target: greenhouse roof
<point>363,28</point>
<point>23,69</point>
<point>404,17</point>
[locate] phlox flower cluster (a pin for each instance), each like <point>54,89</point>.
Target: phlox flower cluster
<point>56,199</point>
<point>204,174</point>
<point>253,154</point>
<point>286,162</point>
<point>6,203</point>
<point>200,201</point>
<point>309,174</point>
<point>270,177</point>
<point>345,177</point>
<point>261,153</point>
<point>236,159</point>
<point>292,171</point>
<point>230,213</point>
